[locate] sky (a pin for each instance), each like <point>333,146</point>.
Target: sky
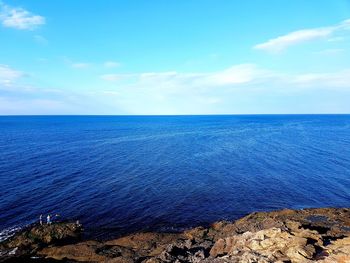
<point>174,57</point>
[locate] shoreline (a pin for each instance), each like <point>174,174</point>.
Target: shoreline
<point>305,235</point>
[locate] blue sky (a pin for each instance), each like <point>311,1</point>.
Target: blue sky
<point>174,57</point>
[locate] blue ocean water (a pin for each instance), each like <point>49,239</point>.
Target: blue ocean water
<point>120,174</point>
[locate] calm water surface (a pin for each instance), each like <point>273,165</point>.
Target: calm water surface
<point>124,174</point>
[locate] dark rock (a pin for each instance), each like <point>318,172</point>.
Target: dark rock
<point>115,251</point>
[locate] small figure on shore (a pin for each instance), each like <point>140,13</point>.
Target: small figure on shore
<point>57,217</point>
<point>48,219</point>
<point>41,220</point>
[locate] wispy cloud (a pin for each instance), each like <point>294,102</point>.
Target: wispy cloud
<point>336,39</point>
<point>80,65</point>
<point>76,64</point>
<point>41,40</point>
<point>18,96</point>
<point>244,88</point>
<point>280,43</point>
<point>8,75</point>
<point>111,64</point>
<point>331,80</point>
<point>19,18</point>
<point>111,77</point>
<point>12,106</point>
<point>330,51</point>
<point>204,87</point>
<point>235,75</point>
<point>173,92</point>
<point>238,74</point>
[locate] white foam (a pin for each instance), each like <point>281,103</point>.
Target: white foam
<point>13,251</point>
<point>8,232</point>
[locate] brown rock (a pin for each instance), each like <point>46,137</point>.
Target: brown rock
<point>36,237</point>
<point>280,236</point>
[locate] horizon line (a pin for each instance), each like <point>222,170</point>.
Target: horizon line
<point>160,115</point>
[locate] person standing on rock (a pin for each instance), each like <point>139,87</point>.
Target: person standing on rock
<point>48,219</point>
<point>41,220</point>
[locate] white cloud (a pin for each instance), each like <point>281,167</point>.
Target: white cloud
<point>345,24</point>
<point>76,64</point>
<point>173,92</point>
<point>111,64</point>
<point>237,77</point>
<point>11,106</point>
<point>232,76</point>
<point>41,40</point>
<point>111,77</point>
<point>330,80</point>
<point>336,39</point>
<point>19,18</point>
<point>80,65</point>
<point>280,43</point>
<point>244,88</point>
<point>330,51</point>
<point>8,75</point>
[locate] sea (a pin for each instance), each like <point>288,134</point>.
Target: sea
<point>122,174</point>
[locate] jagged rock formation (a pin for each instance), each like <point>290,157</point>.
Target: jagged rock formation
<point>309,235</point>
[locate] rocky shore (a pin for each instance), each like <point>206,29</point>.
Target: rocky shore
<point>308,235</point>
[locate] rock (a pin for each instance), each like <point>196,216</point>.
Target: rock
<point>338,251</point>
<point>221,247</point>
<point>83,251</point>
<point>308,235</point>
<point>30,240</point>
<point>271,244</point>
<point>115,251</point>
<point>147,244</point>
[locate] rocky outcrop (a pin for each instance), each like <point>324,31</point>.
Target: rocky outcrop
<point>270,245</point>
<point>32,239</point>
<point>308,235</point>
